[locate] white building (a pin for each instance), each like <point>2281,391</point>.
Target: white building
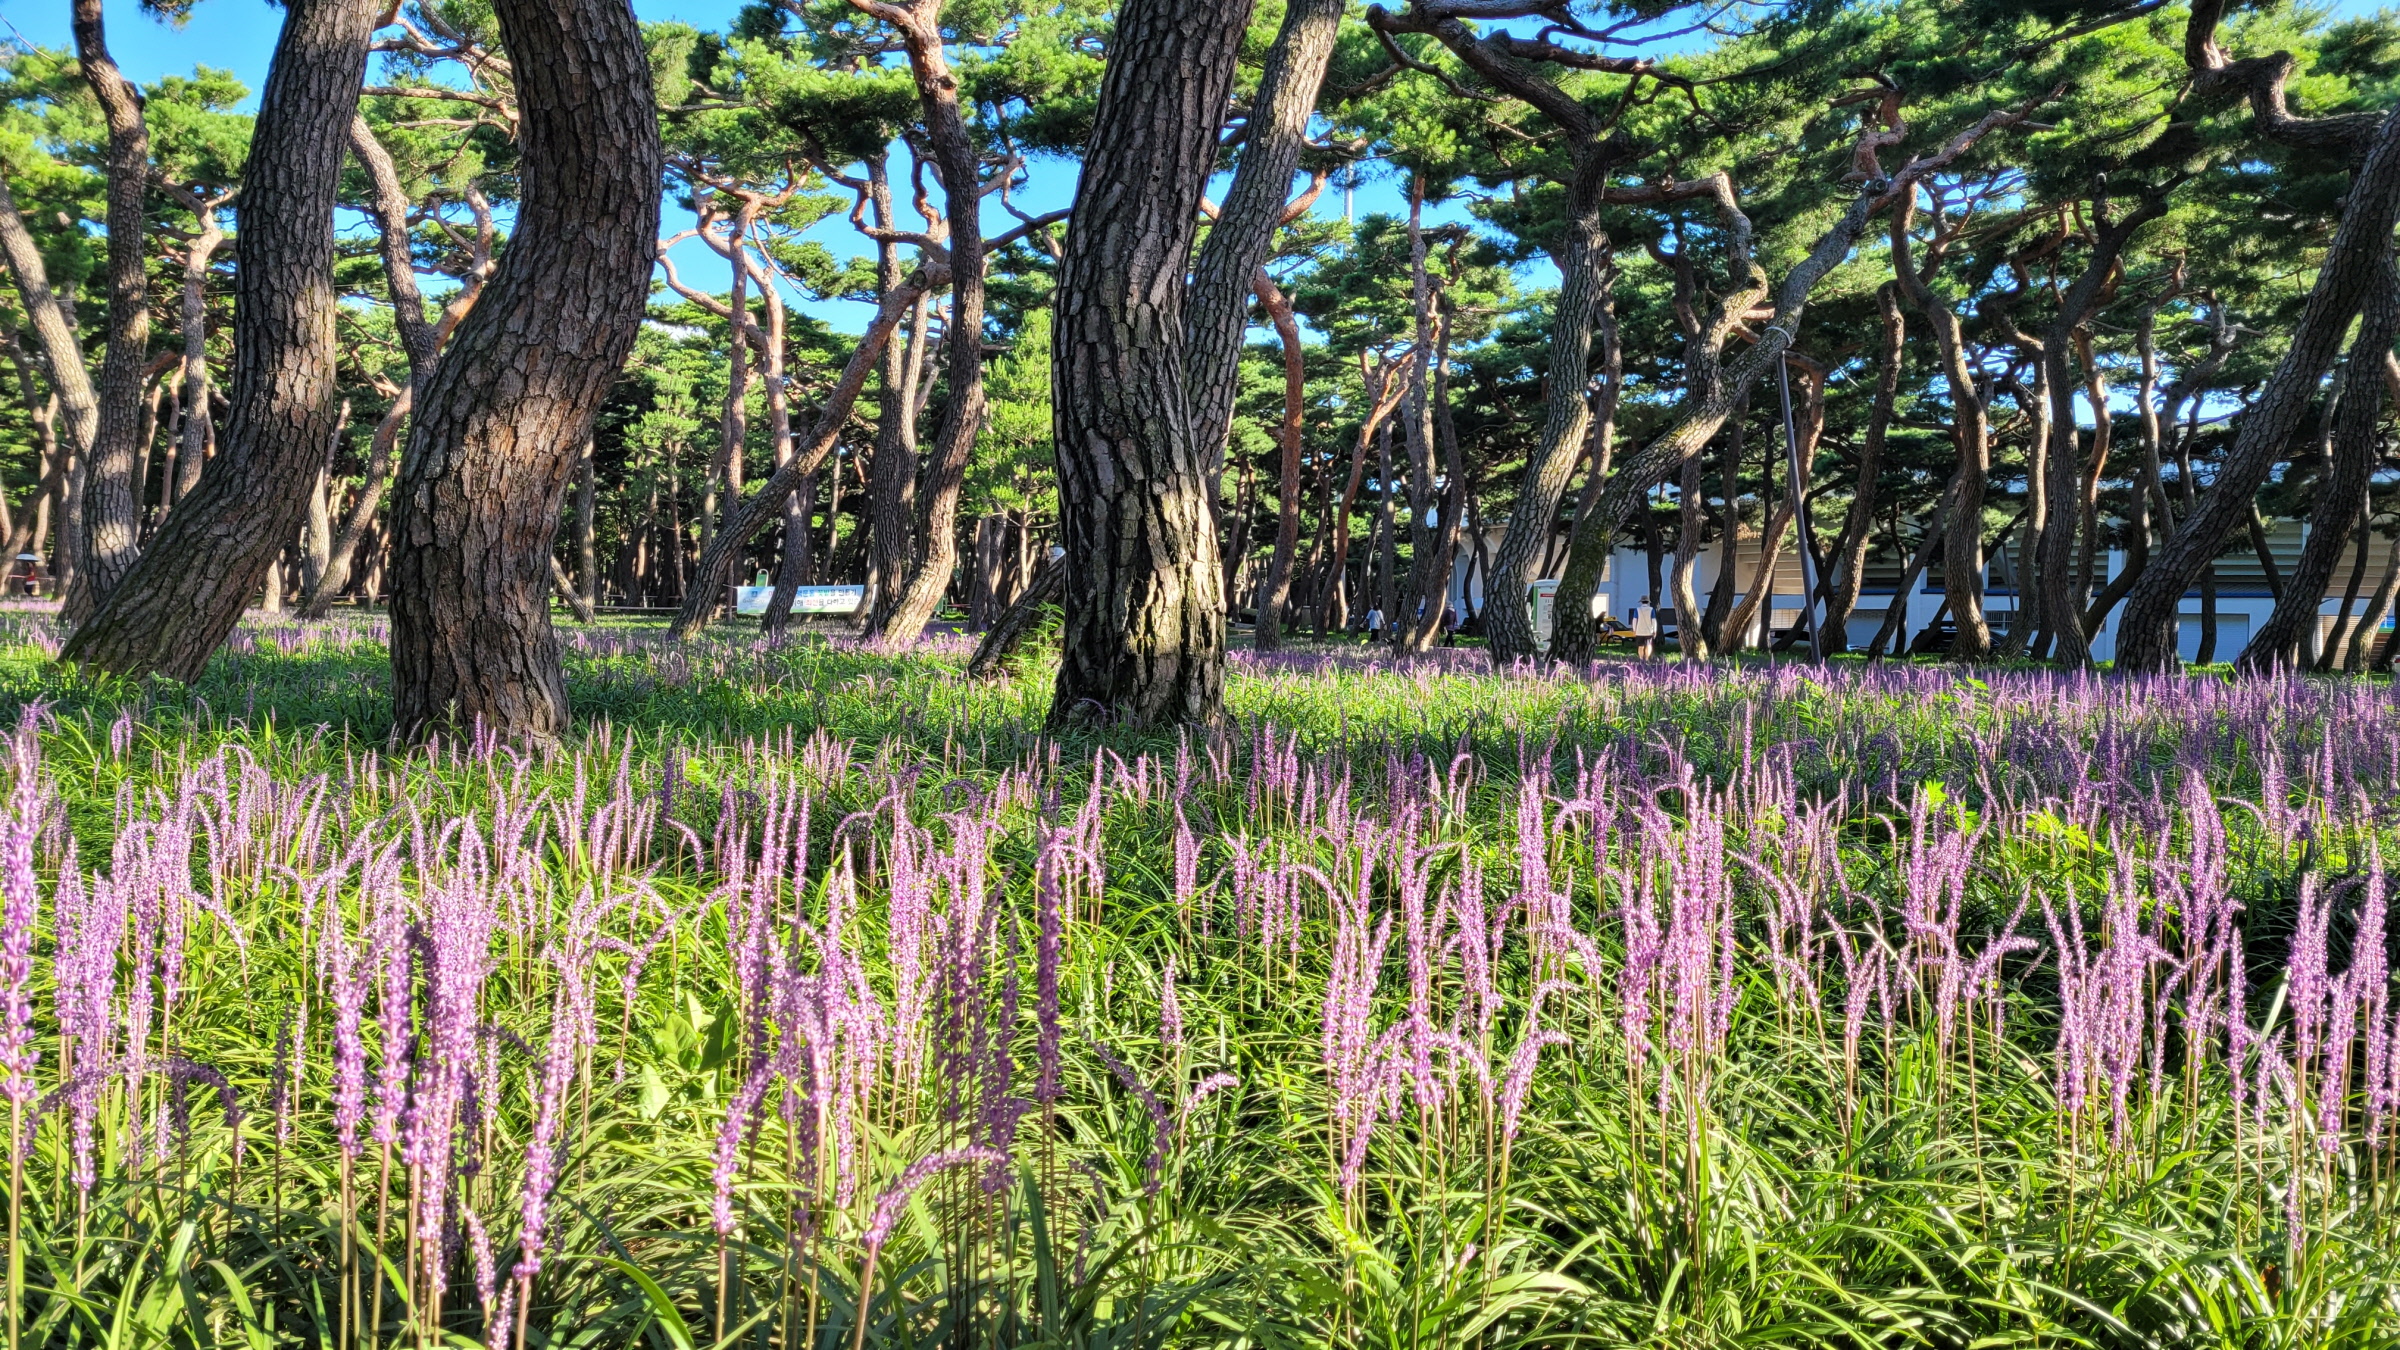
<point>2243,598</point>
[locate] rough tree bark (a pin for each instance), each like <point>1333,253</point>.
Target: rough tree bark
<point>112,510</point>
<point>587,534</point>
<point>915,597</point>
<point>499,424</point>
<point>2354,265</point>
<point>2335,515</point>
<point>62,352</point>
<point>1586,566</point>
<point>420,341</point>
<point>733,427</point>
<point>892,467</point>
<point>1572,634</point>
<point>190,455</point>
<point>997,650</point>
<point>793,555</point>
<point>1267,633</point>
<point>1216,310</point>
<point>187,590</point>
<point>1144,641</point>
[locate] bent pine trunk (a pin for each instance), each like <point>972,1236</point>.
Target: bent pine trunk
<point>112,508</point>
<point>499,425</point>
<point>187,589</point>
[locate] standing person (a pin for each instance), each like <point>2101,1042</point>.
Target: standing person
<point>1375,624</point>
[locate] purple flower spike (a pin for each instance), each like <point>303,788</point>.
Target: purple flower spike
<point>888,1206</point>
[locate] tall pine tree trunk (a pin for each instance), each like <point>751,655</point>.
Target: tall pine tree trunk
<point>1587,557</point>
<point>1970,436</point>
<point>1144,641</point>
<point>919,593</point>
<point>2062,601</point>
<point>1217,310</point>
<point>1420,620</point>
<point>54,329</point>
<point>187,590</point>
<point>2354,265</point>
<point>499,424</point>
<point>587,533</point>
<point>2285,636</point>
<point>1267,634</point>
<point>1849,571</point>
<point>112,509</point>
<point>1584,275</point>
<point>190,454</point>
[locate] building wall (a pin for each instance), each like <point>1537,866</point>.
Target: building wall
<point>2243,597</point>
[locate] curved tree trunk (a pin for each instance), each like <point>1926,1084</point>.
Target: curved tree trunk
<point>112,507</point>
<point>187,590</point>
<point>779,433</point>
<point>2362,633</point>
<point>567,594</point>
<point>1758,597</point>
<point>1216,310</point>
<point>420,340</point>
<point>916,596</point>
<point>1850,557</point>
<point>733,427</point>
<point>2335,517</point>
<point>1583,264</point>
<point>996,653</point>
<point>1587,557</point>
<point>1697,420</point>
<point>49,462</point>
<point>191,452</point>
<point>1267,632</point>
<point>766,504</point>
<point>499,424</point>
<point>1145,606</point>
<point>1970,435</point>
<point>381,448</point>
<point>892,470</point>
<point>2354,265</point>
<point>62,350</point>
<point>1333,612</point>
<point>2063,600</point>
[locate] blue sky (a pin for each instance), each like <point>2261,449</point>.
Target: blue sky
<point>239,35</point>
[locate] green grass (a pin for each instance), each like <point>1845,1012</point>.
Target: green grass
<point>1773,1187</point>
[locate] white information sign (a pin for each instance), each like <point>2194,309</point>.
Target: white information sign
<point>805,600</point>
